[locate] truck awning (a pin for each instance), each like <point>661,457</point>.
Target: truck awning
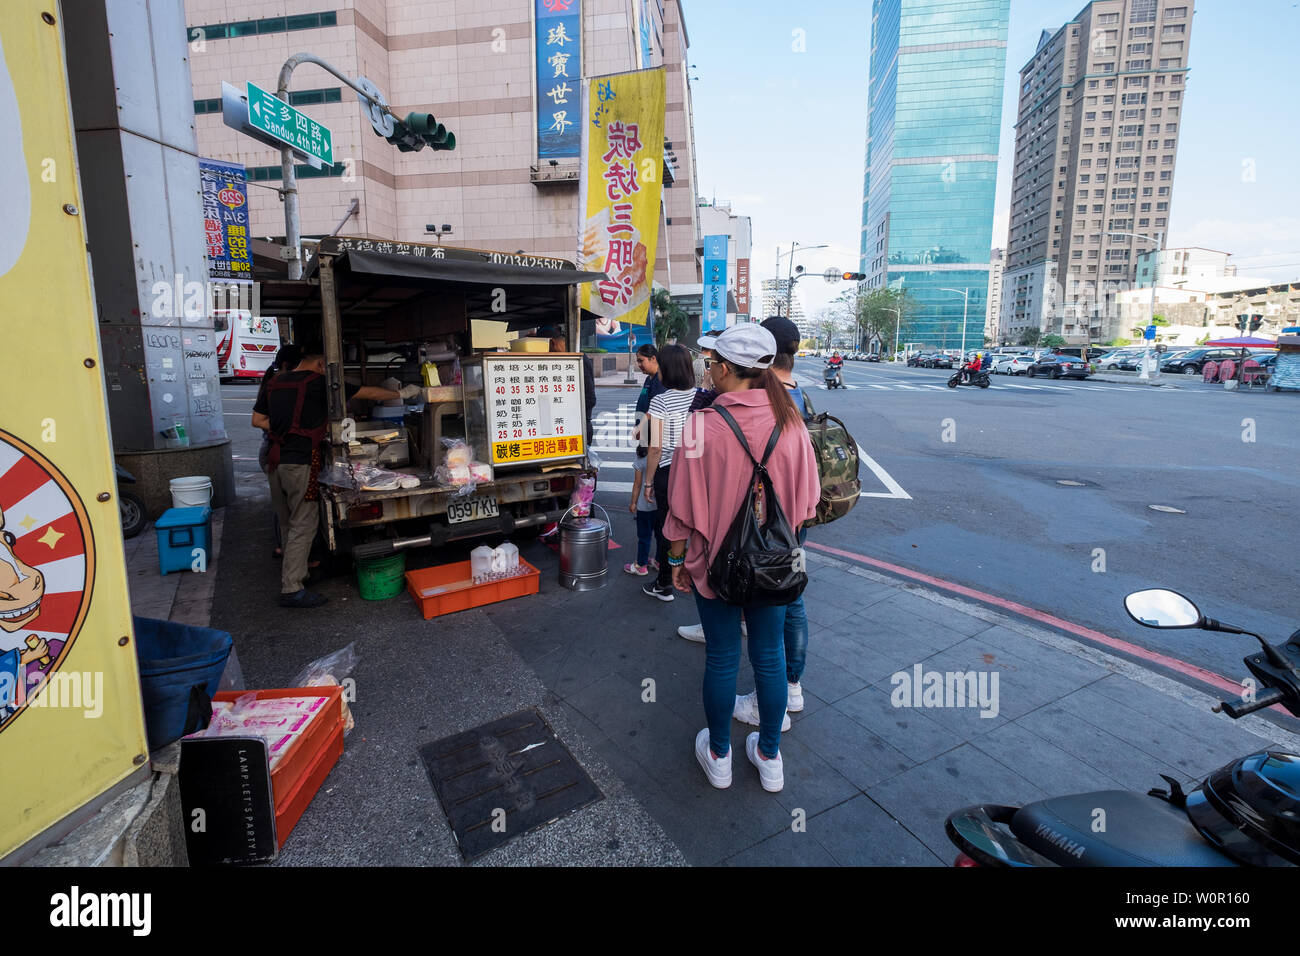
<point>459,270</point>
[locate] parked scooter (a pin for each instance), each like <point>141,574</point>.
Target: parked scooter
<point>130,506</point>
<point>978,379</point>
<point>833,375</point>
<point>1243,814</point>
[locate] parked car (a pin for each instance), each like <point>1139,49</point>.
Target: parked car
<point>1059,366</point>
<point>873,356</point>
<point>939,360</point>
<point>1012,365</point>
<point>914,360</point>
<point>1112,360</point>
<point>1193,362</point>
<point>1133,363</point>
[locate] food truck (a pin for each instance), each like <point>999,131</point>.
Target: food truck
<point>495,442</point>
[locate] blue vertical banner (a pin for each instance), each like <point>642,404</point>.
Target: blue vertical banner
<point>647,54</point>
<point>714,303</point>
<point>559,78</point>
<point>224,188</point>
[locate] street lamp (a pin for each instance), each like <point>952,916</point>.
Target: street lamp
<point>1158,240</point>
<point>965,296</point>
<point>789,285</point>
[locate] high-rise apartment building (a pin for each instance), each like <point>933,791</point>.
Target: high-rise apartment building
<point>993,312</point>
<point>774,303</point>
<point>1100,110</point>
<point>934,113</point>
<point>503,75</point>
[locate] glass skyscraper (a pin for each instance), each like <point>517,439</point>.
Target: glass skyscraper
<point>934,117</point>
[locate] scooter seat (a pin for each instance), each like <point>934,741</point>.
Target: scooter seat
<point>1133,830</point>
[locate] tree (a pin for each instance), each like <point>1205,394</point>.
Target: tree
<point>1118,343</point>
<point>877,313</point>
<point>1159,320</point>
<point>671,320</point>
<point>1052,342</point>
<point>1030,337</point>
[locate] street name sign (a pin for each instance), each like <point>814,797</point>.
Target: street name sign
<point>281,121</point>
<point>1150,332</point>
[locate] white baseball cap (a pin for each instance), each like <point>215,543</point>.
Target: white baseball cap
<point>748,345</point>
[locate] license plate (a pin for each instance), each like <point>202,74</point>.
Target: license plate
<point>472,509</point>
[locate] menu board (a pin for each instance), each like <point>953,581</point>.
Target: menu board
<point>535,409</point>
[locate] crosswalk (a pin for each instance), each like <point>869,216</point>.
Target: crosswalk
<point>613,443</point>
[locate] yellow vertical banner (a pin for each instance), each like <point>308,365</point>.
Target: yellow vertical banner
<point>71,727</point>
<point>622,185</point>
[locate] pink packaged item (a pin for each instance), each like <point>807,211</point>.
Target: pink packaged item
<point>282,706</point>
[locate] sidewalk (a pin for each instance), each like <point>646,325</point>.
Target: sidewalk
<point>867,783</point>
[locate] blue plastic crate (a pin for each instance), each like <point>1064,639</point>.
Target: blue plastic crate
<point>180,531</point>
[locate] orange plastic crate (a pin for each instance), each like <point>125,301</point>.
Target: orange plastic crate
<point>473,595</point>
<point>298,776</point>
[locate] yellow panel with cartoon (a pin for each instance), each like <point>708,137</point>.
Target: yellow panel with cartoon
<point>71,726</point>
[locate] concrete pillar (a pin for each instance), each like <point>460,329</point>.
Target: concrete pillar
<point>133,112</point>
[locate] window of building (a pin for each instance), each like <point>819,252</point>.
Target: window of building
<point>1166,160</point>
<point>1175,13</point>
<point>1166,175</point>
<point>1105,19</point>
<point>1162,207</point>
<point>1171,143</point>
<point>1092,84</point>
<point>1174,63</point>
<point>1085,178</point>
<point>1174,30</point>
<point>1144,223</point>
<point>1146,207</point>
<point>1146,190</point>
<point>248,28</point>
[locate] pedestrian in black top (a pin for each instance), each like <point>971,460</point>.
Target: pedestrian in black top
<point>293,412</point>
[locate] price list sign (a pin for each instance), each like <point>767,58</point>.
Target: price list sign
<point>535,407</point>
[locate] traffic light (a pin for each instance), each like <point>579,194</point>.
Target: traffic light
<point>854,276</point>
<point>418,130</point>
<point>1241,322</point>
<point>1255,322</point>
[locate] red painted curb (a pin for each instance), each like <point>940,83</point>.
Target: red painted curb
<point>1183,667</point>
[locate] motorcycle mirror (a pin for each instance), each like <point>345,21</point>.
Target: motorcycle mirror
<point>1160,608</point>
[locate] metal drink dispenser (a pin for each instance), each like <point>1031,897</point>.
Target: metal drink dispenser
<point>584,550</point>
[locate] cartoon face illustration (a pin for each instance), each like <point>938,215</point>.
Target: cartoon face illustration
<point>47,572</point>
<point>21,586</point>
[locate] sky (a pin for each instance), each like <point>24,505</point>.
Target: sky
<point>781,115</point>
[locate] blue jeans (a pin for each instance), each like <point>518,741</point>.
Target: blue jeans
<point>722,663</point>
<point>645,535</point>
<point>796,633</point>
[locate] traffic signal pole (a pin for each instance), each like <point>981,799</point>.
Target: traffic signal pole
<point>289,187</point>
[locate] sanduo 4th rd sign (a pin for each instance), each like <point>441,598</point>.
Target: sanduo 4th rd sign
<point>277,118</point>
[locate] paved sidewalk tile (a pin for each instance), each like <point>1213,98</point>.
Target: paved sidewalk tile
<point>859,833</point>
<point>1131,767</point>
<point>811,782</point>
<point>855,753</point>
<point>922,798</point>
<point>903,609</point>
<point>1043,763</point>
<point>907,729</point>
<point>785,849</point>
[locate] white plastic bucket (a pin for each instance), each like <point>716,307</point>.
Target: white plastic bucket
<point>192,492</point>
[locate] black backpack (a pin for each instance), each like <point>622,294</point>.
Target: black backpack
<point>758,563</point>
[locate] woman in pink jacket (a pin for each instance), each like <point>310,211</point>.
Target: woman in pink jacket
<point>707,487</point>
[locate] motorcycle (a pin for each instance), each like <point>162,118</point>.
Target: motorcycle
<point>1243,814</point>
<point>130,506</point>
<point>978,379</point>
<point>833,375</point>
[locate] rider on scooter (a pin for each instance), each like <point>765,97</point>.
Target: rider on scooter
<point>970,369</point>
<point>836,361</point>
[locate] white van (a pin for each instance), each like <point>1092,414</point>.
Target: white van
<point>246,343</point>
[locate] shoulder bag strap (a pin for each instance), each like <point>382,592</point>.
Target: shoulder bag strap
<point>771,442</point>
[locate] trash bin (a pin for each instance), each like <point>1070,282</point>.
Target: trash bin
<point>584,551</point>
<point>180,671</point>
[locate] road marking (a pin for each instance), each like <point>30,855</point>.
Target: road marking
<point>895,489</point>
<point>1154,657</point>
<point>623,486</point>
<point>1189,695</point>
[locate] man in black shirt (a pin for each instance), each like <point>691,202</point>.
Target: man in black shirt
<point>292,411</point>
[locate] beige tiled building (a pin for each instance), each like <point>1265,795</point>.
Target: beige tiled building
<point>1097,132</point>
<point>471,64</point>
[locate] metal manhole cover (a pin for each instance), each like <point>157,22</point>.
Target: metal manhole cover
<point>505,778</point>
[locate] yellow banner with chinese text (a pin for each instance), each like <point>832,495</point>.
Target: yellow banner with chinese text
<point>622,184</point>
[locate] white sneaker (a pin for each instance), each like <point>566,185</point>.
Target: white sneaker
<point>718,771</point>
<point>793,698</point>
<point>771,773</point>
<point>747,711</point>
<point>692,632</point>
<point>744,630</point>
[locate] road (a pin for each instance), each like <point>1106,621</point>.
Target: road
<point>968,487</point>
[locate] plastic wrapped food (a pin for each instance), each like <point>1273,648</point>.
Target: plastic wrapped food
<point>459,469</point>
<point>329,671</point>
<point>359,475</point>
<point>580,500</point>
